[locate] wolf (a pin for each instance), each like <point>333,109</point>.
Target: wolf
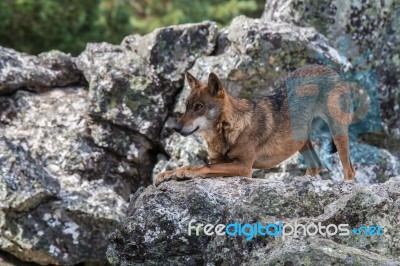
<point>243,134</point>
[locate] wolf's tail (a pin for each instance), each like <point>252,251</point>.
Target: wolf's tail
<point>332,147</point>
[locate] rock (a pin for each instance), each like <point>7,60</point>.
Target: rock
<point>133,85</point>
<point>322,252</point>
<point>127,155</point>
<point>59,194</point>
<point>155,230</point>
<point>363,21</point>
<point>51,130</point>
<point>47,70</point>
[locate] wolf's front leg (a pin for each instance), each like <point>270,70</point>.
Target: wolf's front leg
<point>213,170</point>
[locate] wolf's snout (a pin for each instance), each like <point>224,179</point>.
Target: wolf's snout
<point>178,128</point>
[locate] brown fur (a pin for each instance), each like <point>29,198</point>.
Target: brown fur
<point>243,134</point>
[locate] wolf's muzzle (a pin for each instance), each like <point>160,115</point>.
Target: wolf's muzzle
<point>178,128</point>
<point>183,131</point>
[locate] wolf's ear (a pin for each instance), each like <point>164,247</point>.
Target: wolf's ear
<point>216,88</point>
<point>193,82</point>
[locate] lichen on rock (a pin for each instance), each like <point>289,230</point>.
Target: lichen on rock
<point>156,226</point>
<point>45,71</point>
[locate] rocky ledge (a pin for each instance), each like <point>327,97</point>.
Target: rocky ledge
<point>155,231</point>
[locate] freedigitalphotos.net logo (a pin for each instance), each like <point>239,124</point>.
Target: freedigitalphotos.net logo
<point>280,229</point>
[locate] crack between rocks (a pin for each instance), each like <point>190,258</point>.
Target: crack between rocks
<point>41,90</point>
<point>108,150</point>
<point>45,200</point>
<point>124,128</point>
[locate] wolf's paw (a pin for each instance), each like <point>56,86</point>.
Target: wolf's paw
<point>165,176</point>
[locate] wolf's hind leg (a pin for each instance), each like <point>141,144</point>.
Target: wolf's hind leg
<point>339,115</point>
<point>342,145</point>
<point>314,165</point>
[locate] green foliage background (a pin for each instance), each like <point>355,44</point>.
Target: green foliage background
<point>35,26</point>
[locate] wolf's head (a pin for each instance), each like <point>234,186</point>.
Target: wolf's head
<point>203,106</point>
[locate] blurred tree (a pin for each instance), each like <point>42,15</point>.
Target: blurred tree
<point>34,26</point>
<point>113,20</point>
<point>151,14</point>
<point>39,25</point>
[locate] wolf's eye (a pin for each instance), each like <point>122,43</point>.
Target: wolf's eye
<point>197,106</point>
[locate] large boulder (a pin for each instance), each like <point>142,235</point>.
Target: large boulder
<point>59,194</point>
<point>36,73</point>
<point>155,230</point>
